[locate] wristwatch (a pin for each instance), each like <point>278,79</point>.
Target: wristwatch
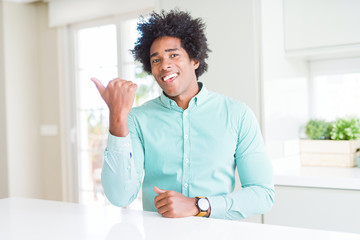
<point>203,204</point>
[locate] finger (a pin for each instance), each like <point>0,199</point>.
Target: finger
<point>134,85</point>
<point>99,85</point>
<point>162,194</point>
<point>169,214</point>
<point>158,190</point>
<point>161,203</point>
<point>164,210</point>
<point>130,85</point>
<point>159,198</point>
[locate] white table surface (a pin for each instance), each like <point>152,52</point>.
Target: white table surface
<point>39,219</point>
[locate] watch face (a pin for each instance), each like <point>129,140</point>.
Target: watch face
<point>203,204</point>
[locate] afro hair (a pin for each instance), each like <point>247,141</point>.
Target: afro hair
<point>176,24</point>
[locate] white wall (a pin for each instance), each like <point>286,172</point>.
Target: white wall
<point>30,163</point>
<point>49,82</point>
<point>3,131</point>
<point>285,85</point>
<point>232,33</point>
<point>22,99</point>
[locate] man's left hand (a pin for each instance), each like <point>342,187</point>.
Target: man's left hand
<point>173,204</point>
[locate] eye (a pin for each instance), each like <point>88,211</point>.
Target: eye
<point>155,60</point>
<point>174,55</point>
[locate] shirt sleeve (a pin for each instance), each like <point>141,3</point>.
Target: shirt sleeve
<point>123,167</point>
<point>255,172</point>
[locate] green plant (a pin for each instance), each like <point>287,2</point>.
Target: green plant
<point>318,129</point>
<point>346,129</point>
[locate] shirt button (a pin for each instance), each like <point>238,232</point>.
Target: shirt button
<point>185,113</point>
<point>186,136</point>
<point>185,185</point>
<point>186,160</point>
<point>128,167</point>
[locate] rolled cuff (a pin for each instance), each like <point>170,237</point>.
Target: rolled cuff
<point>218,207</point>
<point>116,144</point>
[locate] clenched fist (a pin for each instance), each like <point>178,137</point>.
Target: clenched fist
<point>119,96</point>
<point>173,204</point>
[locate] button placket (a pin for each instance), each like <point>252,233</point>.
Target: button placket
<point>186,154</point>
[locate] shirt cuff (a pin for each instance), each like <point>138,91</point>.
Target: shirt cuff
<point>116,143</point>
<point>218,207</point>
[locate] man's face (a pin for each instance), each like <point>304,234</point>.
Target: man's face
<point>172,68</point>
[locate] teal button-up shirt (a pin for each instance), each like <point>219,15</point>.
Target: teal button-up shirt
<point>194,152</point>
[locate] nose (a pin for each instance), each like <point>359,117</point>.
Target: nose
<point>166,64</point>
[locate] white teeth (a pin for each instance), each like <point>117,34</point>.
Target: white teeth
<point>169,76</point>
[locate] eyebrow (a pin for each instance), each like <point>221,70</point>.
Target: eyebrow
<point>166,50</point>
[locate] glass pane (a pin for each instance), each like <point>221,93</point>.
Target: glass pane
<point>93,128</point>
<point>97,47</point>
<point>93,137</point>
<point>96,56</point>
<point>85,171</point>
<point>89,96</point>
<point>90,176</point>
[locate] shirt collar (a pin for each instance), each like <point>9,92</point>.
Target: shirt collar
<point>199,98</point>
<point>202,94</point>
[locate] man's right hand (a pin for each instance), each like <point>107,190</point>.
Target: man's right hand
<point>119,96</point>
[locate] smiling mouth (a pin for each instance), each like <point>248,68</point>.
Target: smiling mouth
<point>170,77</point>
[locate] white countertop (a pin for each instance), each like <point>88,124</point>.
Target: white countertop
<point>289,172</point>
<point>38,219</point>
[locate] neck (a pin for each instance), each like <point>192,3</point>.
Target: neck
<point>183,103</point>
<point>184,100</point>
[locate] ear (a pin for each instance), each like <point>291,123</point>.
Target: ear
<point>195,63</point>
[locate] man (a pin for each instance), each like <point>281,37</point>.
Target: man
<point>187,142</point>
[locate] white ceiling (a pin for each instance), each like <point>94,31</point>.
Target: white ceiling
<point>23,1</point>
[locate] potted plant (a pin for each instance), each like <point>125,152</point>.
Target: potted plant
<point>332,144</point>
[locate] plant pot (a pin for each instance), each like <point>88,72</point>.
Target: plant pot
<point>329,153</point>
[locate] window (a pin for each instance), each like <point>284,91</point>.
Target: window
<point>327,90</point>
<point>101,50</point>
<point>335,88</point>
